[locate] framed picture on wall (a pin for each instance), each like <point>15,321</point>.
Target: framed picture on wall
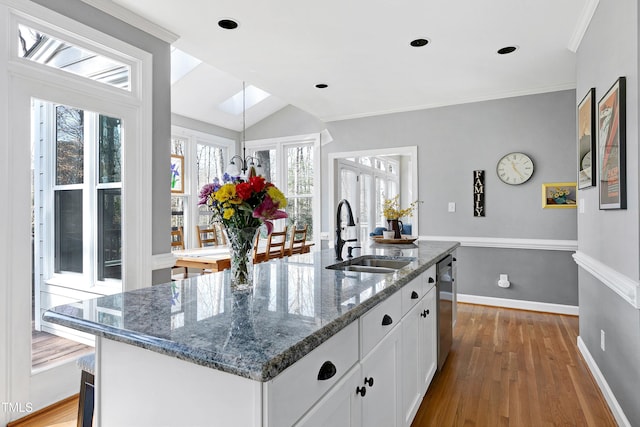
<point>612,157</point>
<point>177,168</point>
<point>587,140</point>
<point>559,195</point>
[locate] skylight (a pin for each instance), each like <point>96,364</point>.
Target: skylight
<point>253,96</point>
<point>181,64</point>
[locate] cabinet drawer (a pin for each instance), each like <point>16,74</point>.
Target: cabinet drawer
<point>289,395</point>
<point>412,292</point>
<point>376,323</point>
<point>429,278</point>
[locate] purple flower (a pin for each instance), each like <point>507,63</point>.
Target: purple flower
<point>206,191</point>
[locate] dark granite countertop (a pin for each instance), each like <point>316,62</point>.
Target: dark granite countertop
<point>296,304</point>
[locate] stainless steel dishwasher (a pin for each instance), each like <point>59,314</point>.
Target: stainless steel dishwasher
<point>444,288</point>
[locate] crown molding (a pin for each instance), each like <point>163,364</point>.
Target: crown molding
<point>133,19</point>
<point>583,23</point>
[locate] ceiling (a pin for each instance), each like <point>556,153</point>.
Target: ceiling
<point>361,50</point>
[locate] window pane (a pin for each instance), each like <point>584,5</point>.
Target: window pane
<point>177,212</point>
<point>68,231</point>
<point>210,163</point>
<point>109,146</point>
<point>300,213</point>
<point>267,159</point>
<point>44,49</point>
<point>300,170</point>
<point>69,145</point>
<point>177,146</point>
<point>109,234</point>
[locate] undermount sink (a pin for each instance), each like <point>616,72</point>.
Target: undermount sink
<point>373,264</point>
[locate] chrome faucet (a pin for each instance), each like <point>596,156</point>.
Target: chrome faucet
<point>350,223</point>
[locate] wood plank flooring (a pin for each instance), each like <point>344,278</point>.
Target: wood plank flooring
<point>513,368</point>
<point>506,368</point>
<point>48,349</point>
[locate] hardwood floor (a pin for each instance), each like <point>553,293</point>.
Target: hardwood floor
<point>48,349</point>
<point>513,368</point>
<point>60,414</point>
<point>506,368</point>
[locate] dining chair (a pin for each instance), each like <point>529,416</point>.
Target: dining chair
<point>207,235</point>
<point>297,240</point>
<point>276,244</point>
<point>177,242</point>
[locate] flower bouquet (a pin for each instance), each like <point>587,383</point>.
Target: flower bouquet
<point>392,213</point>
<point>242,206</point>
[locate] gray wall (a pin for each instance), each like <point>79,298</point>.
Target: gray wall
<point>99,20</point>
<point>188,123</point>
<point>452,142</point>
<point>608,50</point>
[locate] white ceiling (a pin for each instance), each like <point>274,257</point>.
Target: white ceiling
<point>360,48</point>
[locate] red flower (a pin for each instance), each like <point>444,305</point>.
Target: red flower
<point>257,183</point>
<point>244,191</point>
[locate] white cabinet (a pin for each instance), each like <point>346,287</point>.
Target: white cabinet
<point>341,407</point>
<point>428,338</point>
<point>419,350</point>
<point>380,371</point>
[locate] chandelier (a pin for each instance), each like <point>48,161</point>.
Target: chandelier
<point>249,165</point>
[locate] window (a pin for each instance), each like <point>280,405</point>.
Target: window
<point>86,189</point>
<point>205,158</point>
<point>292,165</point>
<point>42,48</point>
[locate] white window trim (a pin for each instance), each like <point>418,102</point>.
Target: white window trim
<point>281,142</point>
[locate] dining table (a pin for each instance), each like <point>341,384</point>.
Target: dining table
<point>217,258</point>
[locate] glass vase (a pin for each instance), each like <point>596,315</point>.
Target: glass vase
<point>241,241</point>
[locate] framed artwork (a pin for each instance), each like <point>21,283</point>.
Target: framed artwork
<point>559,195</point>
<point>587,140</point>
<point>177,168</point>
<point>612,155</point>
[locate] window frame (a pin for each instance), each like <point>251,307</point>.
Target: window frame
<point>191,193</point>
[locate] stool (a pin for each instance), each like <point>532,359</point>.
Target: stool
<point>85,404</point>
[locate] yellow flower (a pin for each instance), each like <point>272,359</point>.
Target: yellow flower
<point>226,193</point>
<point>277,196</point>
<point>228,213</point>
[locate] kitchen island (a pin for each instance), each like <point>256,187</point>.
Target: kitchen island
<point>293,350</point>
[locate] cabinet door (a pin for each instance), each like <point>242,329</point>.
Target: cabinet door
<point>380,376</point>
<point>428,339</point>
<point>412,364</point>
<point>338,408</point>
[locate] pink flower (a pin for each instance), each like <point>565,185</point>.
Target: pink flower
<point>266,211</point>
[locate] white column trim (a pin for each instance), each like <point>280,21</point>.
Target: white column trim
<point>614,406</point>
<point>626,287</point>
<point>508,243</point>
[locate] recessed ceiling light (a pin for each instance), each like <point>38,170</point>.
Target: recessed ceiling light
<point>227,24</point>
<point>419,42</point>
<point>507,49</point>
<point>322,85</point>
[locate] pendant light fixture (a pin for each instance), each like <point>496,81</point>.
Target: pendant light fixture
<point>249,165</point>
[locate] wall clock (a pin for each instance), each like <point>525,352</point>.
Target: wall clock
<point>515,168</point>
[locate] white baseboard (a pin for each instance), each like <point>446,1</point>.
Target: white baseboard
<point>520,304</point>
<point>618,414</point>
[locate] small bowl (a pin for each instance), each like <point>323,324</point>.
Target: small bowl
<point>388,235</point>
